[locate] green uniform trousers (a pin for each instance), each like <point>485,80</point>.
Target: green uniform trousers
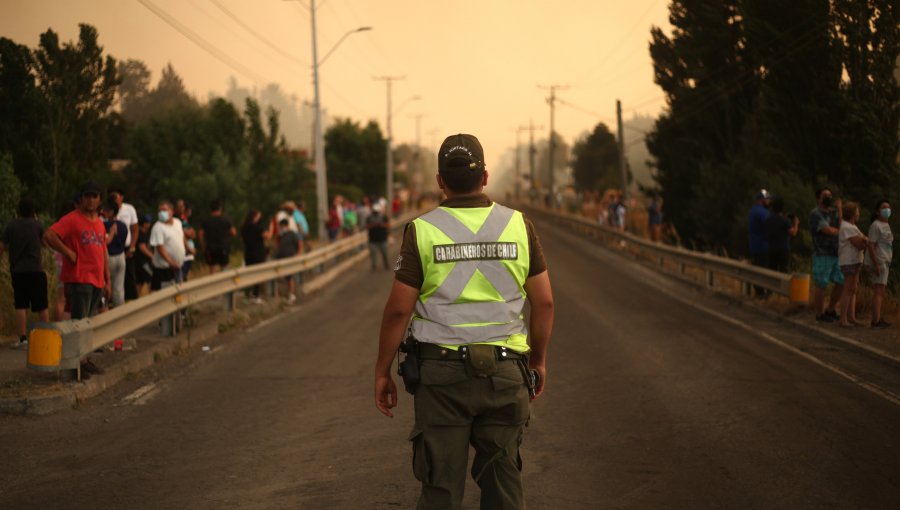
<point>454,410</point>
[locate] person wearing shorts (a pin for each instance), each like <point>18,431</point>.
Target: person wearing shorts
<point>851,246</point>
<point>824,224</point>
<point>878,259</point>
<point>22,237</point>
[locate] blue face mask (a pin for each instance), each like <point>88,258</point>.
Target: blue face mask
<point>886,213</point>
<point>163,216</point>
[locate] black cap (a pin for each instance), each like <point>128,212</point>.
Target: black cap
<point>460,152</point>
<point>91,187</point>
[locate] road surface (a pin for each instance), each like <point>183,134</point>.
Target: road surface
<point>658,396</point>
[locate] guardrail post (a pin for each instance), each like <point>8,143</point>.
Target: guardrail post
<point>660,261</point>
<point>682,268</point>
<point>230,301</point>
<point>710,279</point>
<point>745,288</point>
<point>167,326</point>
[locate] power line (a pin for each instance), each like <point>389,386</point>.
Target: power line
<point>201,42</point>
<point>747,75</point>
<point>256,34</point>
<point>616,48</point>
<point>601,117</point>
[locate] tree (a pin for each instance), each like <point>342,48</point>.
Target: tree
<point>710,82</point>
<point>134,89</point>
<point>19,100</point>
<point>77,86</point>
<point>595,161</point>
<point>12,190</point>
<point>56,103</point>
<point>355,156</point>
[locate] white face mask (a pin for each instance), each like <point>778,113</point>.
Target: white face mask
<point>886,213</point>
<point>163,216</point>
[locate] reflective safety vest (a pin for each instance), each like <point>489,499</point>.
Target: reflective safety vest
<point>475,262</point>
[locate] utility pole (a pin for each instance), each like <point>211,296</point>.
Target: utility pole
<point>319,146</point>
<point>390,155</point>
<point>319,141</point>
<point>552,101</point>
<point>532,151</point>
<point>418,176</point>
<point>621,150</point>
<point>518,131</point>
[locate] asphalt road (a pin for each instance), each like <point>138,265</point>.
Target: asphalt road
<point>651,403</point>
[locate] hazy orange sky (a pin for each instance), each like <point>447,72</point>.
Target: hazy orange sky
<point>476,64</point>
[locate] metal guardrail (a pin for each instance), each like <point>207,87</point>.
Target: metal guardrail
<point>794,286</point>
<point>61,345</point>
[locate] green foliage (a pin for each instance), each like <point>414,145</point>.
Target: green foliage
<point>784,96</point>
<point>12,190</point>
<point>56,103</point>
<point>213,152</point>
<point>355,155</point>
<point>595,164</point>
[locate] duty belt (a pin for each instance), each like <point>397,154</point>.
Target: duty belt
<point>436,352</point>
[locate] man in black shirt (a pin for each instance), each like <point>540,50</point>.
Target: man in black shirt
<point>780,228</point>
<point>23,239</point>
<point>377,225</point>
<point>215,234</point>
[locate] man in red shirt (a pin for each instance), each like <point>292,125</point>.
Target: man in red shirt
<point>81,238</point>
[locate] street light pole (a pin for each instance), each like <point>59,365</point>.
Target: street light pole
<point>321,184</point>
<point>389,185</point>
<point>319,143</point>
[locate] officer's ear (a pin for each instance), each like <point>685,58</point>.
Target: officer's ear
<point>484,179</point>
<point>440,182</point>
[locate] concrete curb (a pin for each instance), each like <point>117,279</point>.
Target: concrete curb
<point>75,392</point>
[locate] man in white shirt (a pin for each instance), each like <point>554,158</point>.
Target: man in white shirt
<point>167,241</point>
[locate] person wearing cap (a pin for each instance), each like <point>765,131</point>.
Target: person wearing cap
<point>759,233</point>
<point>464,273</point>
<point>81,238</point>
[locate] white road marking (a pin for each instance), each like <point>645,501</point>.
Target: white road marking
<point>872,388</point>
<point>141,395</point>
<point>877,390</point>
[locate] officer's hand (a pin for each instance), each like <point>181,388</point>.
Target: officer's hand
<point>542,371</point>
<point>385,394</point>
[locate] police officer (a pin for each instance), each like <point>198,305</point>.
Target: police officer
<point>464,273</point>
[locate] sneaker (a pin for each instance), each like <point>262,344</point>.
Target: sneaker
<point>90,368</point>
<point>881,324</point>
<point>21,345</point>
<point>257,301</point>
<point>825,318</point>
<point>291,299</point>
<point>833,314</point>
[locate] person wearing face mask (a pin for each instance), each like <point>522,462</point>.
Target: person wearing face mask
<point>824,224</point>
<point>879,257</point>
<point>167,241</point>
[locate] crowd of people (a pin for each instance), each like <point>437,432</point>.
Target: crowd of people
<point>105,253</point>
<point>841,252</point>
